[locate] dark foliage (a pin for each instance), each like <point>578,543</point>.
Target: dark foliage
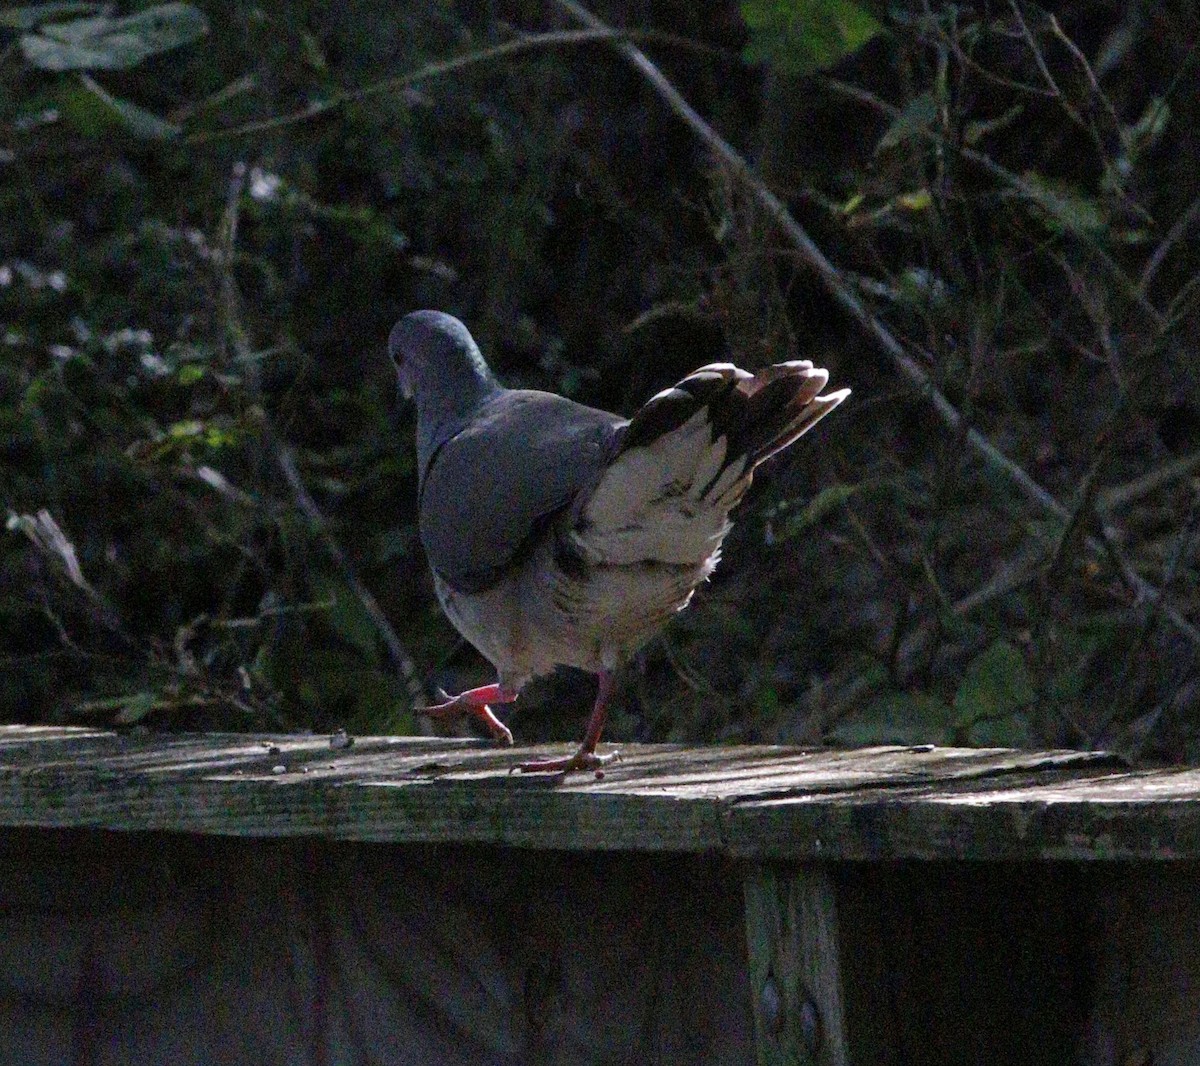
<point>204,248</point>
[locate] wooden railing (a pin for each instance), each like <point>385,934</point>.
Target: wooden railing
<point>800,829</point>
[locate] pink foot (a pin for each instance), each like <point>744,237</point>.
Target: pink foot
<point>585,758</point>
<point>475,703</point>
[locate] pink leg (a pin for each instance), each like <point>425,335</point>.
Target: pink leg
<point>585,758</point>
<point>475,702</point>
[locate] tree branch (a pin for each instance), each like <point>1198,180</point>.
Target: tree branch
<point>304,500</point>
<point>530,43</point>
<point>1105,543</point>
<point>235,336</point>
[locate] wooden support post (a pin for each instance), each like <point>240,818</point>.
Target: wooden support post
<point>795,973</point>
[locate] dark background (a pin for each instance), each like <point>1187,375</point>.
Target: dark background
<point>196,290</point>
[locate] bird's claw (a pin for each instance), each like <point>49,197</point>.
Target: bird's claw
<point>581,760</point>
<point>450,707</point>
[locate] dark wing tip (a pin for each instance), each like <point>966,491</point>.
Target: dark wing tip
<point>713,386</point>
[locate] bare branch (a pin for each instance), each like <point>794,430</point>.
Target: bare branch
<point>1161,476</point>
<point>236,337</point>
<point>1106,543</point>
<point>1133,290</point>
<point>530,43</point>
<point>396,648</point>
<point>1182,547</point>
<point>1180,227</point>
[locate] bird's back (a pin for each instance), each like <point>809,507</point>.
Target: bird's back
<point>491,490</point>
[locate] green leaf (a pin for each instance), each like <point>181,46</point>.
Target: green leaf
<point>32,16</point>
<point>897,718</point>
<point>140,122</point>
<point>1063,207</point>
<point>83,110</point>
<point>1149,128</point>
<point>917,200</point>
<point>103,43</point>
<point>919,116</point>
<point>136,707</point>
<point>800,36</point>
<point>186,429</point>
<point>995,685</point>
<point>919,287</point>
<point>47,54</point>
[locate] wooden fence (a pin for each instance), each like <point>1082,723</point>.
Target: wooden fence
<point>259,900</point>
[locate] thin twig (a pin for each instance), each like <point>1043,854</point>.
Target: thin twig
<point>1106,543</point>
<point>1093,81</point>
<point>1134,290</point>
<point>849,694</point>
<point>401,81</point>
<point>1182,547</point>
<point>1084,507</point>
<point>1119,495</point>
<point>1018,571</point>
<point>236,337</point>
<point>399,654</point>
<point>226,247</point>
<point>531,43</point>
<point>825,270</point>
<point>1180,227</point>
<point>1040,61</point>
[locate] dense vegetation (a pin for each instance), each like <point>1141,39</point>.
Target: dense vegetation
<point>212,216</point>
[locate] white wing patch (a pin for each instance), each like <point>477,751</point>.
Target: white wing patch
<point>667,497</point>
<point>648,505</point>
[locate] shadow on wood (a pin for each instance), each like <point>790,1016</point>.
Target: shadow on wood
<point>251,901</point>
<point>170,949</point>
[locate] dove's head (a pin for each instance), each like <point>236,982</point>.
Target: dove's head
<point>436,355</point>
<point>440,367</point>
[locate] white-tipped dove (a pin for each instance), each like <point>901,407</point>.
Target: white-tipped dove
<point>563,535</point>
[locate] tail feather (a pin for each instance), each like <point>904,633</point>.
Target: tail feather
<point>689,455</point>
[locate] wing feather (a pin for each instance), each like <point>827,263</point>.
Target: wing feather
<point>492,489</point>
<point>688,457</point>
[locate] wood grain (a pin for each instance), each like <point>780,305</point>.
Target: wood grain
<point>795,966</point>
<point>753,803</point>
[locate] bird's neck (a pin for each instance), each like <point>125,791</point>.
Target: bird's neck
<point>445,406</point>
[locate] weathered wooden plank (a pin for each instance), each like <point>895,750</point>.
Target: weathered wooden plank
<point>766,803</point>
<point>514,813</point>
<point>687,774</point>
<point>795,968</point>
<point>1106,816</point>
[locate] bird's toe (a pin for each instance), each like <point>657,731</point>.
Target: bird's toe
<point>582,760</point>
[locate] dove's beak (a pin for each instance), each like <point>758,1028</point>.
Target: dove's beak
<point>402,376</point>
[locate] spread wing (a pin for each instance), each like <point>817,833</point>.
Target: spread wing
<point>492,489</point>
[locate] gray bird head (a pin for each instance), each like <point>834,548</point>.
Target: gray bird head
<point>440,366</point>
<point>432,349</point>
